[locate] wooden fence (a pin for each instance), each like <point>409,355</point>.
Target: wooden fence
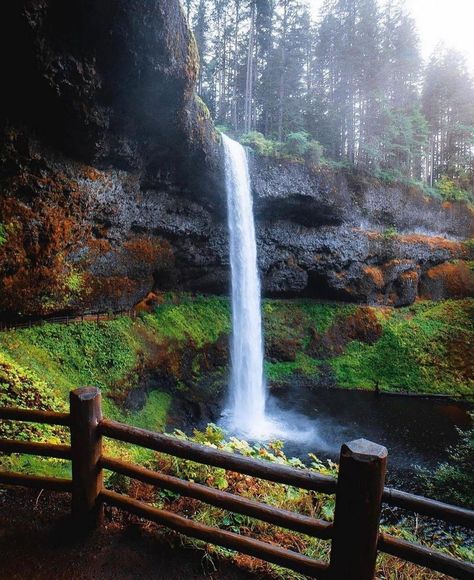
<point>359,490</point>
<point>86,317</point>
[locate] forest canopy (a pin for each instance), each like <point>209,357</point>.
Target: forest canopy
<point>351,83</point>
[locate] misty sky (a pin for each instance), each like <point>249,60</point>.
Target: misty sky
<point>449,21</point>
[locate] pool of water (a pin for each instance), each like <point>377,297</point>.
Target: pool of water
<point>416,431</point>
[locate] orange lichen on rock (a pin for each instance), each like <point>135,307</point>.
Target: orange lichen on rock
<point>409,276</point>
<point>375,274</point>
<point>153,251</point>
<point>371,235</point>
<point>434,242</point>
<point>35,270</point>
<point>448,280</point>
<point>98,247</point>
<point>91,173</point>
<point>149,303</point>
<point>362,325</point>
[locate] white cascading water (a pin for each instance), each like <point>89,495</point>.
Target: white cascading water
<point>246,406</point>
<point>245,412</point>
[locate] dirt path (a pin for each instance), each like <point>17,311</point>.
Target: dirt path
<point>36,543</point>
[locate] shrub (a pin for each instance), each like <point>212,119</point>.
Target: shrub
<point>389,175</point>
<point>224,129</point>
<point>452,481</point>
<point>390,232</point>
<point>450,191</point>
<point>296,144</point>
<point>3,234</point>
<point>259,143</point>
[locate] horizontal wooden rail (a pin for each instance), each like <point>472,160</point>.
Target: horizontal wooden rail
<point>86,317</point>
<point>30,448</point>
<point>35,481</point>
<point>228,501</point>
<point>429,507</point>
<point>425,557</point>
<point>258,549</point>
<point>34,416</point>
<point>302,478</point>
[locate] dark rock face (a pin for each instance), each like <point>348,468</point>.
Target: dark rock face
<point>109,83</point>
<point>292,191</point>
<point>112,182</point>
<point>345,236</point>
<point>99,113</point>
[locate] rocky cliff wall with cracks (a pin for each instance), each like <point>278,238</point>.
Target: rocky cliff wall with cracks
<point>99,113</point>
<point>111,182</point>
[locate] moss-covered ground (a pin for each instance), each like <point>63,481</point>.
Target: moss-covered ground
<point>425,348</point>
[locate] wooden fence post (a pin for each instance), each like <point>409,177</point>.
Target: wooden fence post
<point>359,490</point>
<point>86,449</point>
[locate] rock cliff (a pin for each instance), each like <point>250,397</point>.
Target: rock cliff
<point>112,187</point>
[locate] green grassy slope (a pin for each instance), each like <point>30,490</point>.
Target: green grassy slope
<point>426,348</point>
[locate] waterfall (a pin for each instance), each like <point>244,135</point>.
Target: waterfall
<point>247,392</point>
<point>246,406</point>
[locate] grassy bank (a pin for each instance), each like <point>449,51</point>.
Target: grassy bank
<point>425,348</point>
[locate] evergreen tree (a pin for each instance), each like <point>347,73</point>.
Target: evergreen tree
<point>351,80</point>
<point>448,105</point>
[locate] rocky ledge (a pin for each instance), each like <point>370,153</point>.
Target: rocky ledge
<point>112,186</point>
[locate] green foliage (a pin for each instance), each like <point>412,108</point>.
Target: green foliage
<point>202,320</point>
<point>296,144</point>
<point>224,129</point>
<point>390,233</point>
<point>297,147</point>
<point>413,351</point>
<point>300,146</point>
<point>303,364</point>
<point>3,234</point>
<point>154,413</point>
<point>23,388</point>
<point>203,108</point>
<point>388,176</point>
<point>416,351</point>
<point>452,481</point>
<point>75,282</point>
<point>297,321</point>
<point>282,496</point>
<point>450,191</point>
<point>295,318</point>
<point>395,146</point>
<point>314,153</point>
<point>259,143</point>
<point>68,356</point>
<point>39,366</point>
